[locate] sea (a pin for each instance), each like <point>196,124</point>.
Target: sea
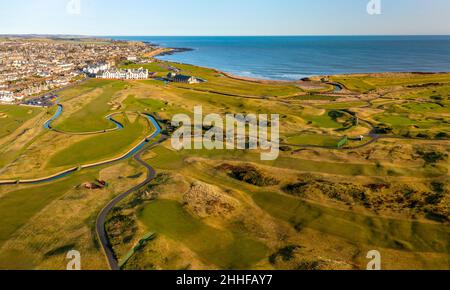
<point>296,57</point>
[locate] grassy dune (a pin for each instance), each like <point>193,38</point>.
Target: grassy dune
<point>374,231</point>
<point>367,83</point>
<point>440,92</point>
<point>223,248</point>
<point>361,230</point>
<point>426,108</point>
<point>168,159</point>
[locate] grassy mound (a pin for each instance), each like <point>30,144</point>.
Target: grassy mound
<point>204,200</point>
<point>224,249</point>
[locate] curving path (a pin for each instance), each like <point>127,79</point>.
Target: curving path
<point>136,153</point>
<point>101,219</point>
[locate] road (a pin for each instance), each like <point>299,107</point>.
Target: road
<point>101,220</point>
<point>136,153</point>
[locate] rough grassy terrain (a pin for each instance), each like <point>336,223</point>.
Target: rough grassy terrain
<point>315,207</point>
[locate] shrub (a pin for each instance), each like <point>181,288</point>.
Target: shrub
<point>338,191</point>
<point>309,265</point>
<point>285,148</point>
<point>438,187</point>
<point>335,115</point>
<point>383,129</point>
<point>441,135</point>
<point>250,175</point>
<point>286,254</point>
<point>295,188</point>
<point>434,198</point>
<point>423,136</point>
<point>121,229</point>
<point>436,98</point>
<point>431,157</point>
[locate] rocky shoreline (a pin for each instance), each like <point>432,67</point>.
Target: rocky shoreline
<point>176,50</point>
<point>163,51</point>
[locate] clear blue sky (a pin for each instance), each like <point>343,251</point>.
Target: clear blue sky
<point>224,17</point>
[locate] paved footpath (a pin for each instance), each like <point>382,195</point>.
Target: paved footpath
<point>101,220</point>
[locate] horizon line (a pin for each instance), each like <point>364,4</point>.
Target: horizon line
<point>218,35</point>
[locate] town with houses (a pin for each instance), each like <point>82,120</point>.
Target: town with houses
<point>32,67</point>
<point>33,70</point>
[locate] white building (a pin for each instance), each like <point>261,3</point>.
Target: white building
<point>130,74</point>
<point>6,97</point>
<point>96,68</point>
<point>66,66</point>
<point>179,78</point>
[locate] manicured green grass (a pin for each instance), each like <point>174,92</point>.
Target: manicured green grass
<point>213,99</point>
<point>135,104</point>
<point>82,88</point>
<point>316,140</point>
<point>425,108</point>
<point>92,116</point>
<point>226,104</point>
<point>343,105</point>
<point>103,146</point>
<point>397,121</point>
<point>408,79</point>
<point>354,83</point>
<point>219,83</point>
<point>147,105</point>
<point>225,249</point>
<point>322,121</point>
<point>401,121</point>
<point>13,116</point>
<point>315,98</point>
<point>356,228</point>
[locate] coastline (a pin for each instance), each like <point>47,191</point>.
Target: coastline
<point>158,52</point>
<point>268,64</point>
<point>161,51</point>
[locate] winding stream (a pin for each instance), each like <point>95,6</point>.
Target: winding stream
<point>48,124</point>
<point>119,126</point>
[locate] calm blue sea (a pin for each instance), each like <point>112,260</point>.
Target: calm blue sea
<point>290,58</point>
